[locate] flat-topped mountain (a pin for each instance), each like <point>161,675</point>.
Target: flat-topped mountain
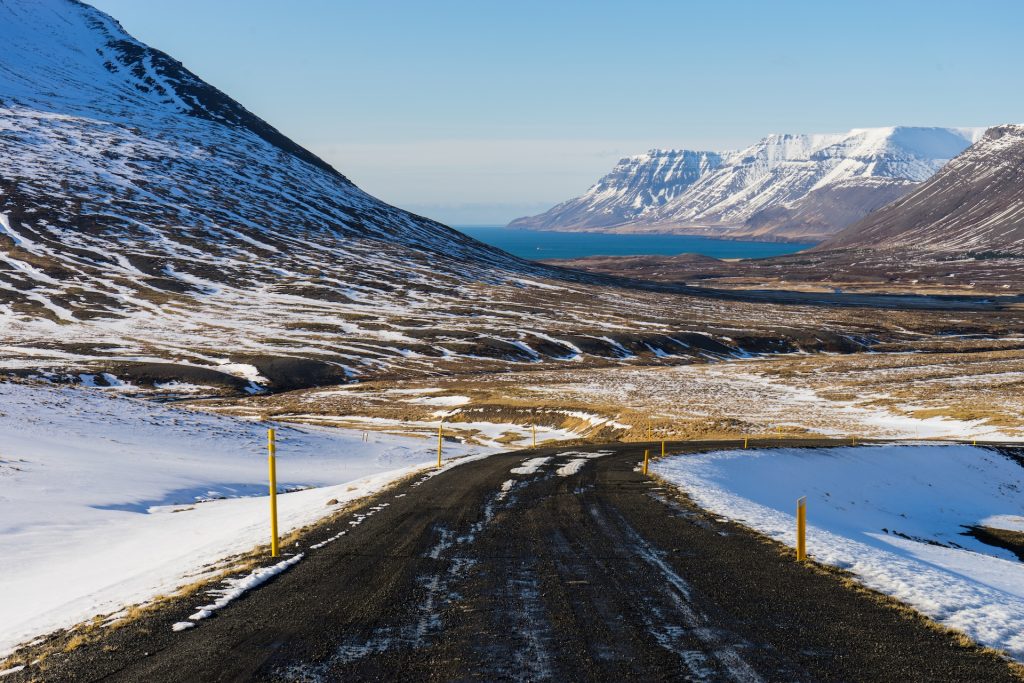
<point>798,187</point>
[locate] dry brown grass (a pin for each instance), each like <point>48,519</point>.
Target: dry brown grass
<point>990,415</point>
<point>957,379</point>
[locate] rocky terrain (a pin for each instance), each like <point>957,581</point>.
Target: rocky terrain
<point>784,187</point>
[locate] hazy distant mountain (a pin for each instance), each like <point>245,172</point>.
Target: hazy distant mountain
<point>783,187</point>
<point>974,204</point>
<point>636,188</point>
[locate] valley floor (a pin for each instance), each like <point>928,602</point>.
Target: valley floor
<point>938,392</point>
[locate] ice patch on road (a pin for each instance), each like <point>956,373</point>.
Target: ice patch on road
<point>584,454</point>
<point>449,567</point>
<point>579,459</point>
<point>506,488</point>
<point>572,467</point>
<point>531,466</point>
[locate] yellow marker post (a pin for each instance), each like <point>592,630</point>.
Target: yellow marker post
<point>272,464</point>
<point>440,436</point>
<point>744,442</point>
<point>663,448</point>
<point>534,427</point>
<point>853,440</point>
<point>801,529</point>
<point>647,455</point>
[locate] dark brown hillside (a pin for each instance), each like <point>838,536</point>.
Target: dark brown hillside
<point>974,205</point>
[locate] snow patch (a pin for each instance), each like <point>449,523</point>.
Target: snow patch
<point>236,588</point>
<point>572,467</point>
<point>531,466</point>
<point>895,516</point>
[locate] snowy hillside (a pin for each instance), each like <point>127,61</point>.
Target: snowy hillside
<point>138,203</point>
<point>897,517</point>
<point>974,205</point>
<point>732,194</point>
<point>155,231</point>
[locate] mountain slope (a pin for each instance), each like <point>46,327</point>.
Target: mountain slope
<point>823,211</point>
<point>154,230</point>
<point>784,186</point>
<point>975,204</point>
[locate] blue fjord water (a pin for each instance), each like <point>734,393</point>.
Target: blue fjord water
<point>536,244</point>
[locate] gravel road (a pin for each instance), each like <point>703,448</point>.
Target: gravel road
<point>555,564</point>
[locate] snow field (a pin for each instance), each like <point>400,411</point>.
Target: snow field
<point>894,516</point>
<point>107,501</point>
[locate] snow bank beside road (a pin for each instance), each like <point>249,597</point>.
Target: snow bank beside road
<point>100,496</point>
<point>892,515</point>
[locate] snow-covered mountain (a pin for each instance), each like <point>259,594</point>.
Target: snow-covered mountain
<point>153,229</point>
<point>636,188</point>
<point>975,204</point>
<point>785,186</point>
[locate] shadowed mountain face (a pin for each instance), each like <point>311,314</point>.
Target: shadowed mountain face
<point>788,187</point>
<point>823,211</point>
<point>975,204</point>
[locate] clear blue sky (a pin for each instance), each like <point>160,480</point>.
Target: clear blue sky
<point>477,111</point>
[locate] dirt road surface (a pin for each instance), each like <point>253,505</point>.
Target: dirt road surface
<point>559,564</point>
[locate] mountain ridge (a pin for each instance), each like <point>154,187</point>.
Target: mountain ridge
<point>973,204</point>
<point>156,72</point>
<point>774,175</point>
